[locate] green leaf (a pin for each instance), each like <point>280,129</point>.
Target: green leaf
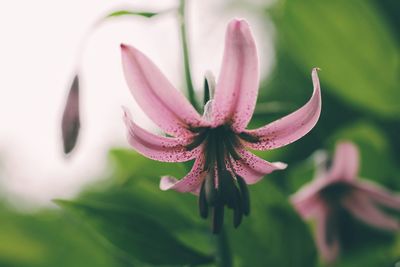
<point>120,13</point>
<point>143,205</point>
<point>47,239</point>
<point>134,234</point>
<point>130,165</point>
<point>273,234</point>
<point>352,44</point>
<point>377,256</point>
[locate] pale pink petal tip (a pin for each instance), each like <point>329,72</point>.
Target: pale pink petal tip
<point>280,165</point>
<point>167,182</point>
<point>125,111</point>
<point>236,23</point>
<point>190,183</point>
<point>253,168</point>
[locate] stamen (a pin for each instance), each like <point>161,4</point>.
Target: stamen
<point>245,195</point>
<point>197,140</point>
<point>218,218</point>
<point>249,138</point>
<point>238,210</point>
<point>227,189</point>
<point>230,147</point>
<point>203,207</point>
<point>222,186</point>
<point>197,129</point>
<point>210,189</point>
<point>210,153</point>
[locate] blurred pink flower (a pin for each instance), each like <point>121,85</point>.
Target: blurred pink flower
<point>338,188</point>
<point>217,140</point>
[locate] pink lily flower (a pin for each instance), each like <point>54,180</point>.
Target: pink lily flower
<point>218,140</point>
<point>338,188</point>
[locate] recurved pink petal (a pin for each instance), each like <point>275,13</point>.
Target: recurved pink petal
<point>291,127</point>
<point>190,183</point>
<point>345,162</point>
<point>237,86</point>
<point>306,207</point>
<point>311,191</point>
<point>157,147</point>
<point>327,241</point>
<point>165,105</point>
<point>361,207</point>
<point>378,194</point>
<point>252,168</point>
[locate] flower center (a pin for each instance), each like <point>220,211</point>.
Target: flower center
<point>332,195</point>
<point>222,187</point>
<point>334,192</point>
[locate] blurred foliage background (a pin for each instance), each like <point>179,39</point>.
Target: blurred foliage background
<point>127,221</point>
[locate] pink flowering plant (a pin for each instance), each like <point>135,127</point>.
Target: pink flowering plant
<point>162,190</point>
<point>218,140</point>
<point>338,187</point>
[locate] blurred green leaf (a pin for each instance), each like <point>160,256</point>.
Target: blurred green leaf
<point>120,13</point>
<point>352,44</point>
<point>390,9</point>
<point>273,234</point>
<point>137,185</point>
<point>129,164</point>
<point>47,239</point>
<point>138,204</point>
<point>370,257</point>
<point>134,233</point>
<point>148,215</point>
<point>299,174</point>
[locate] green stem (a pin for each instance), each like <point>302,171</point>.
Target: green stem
<point>186,59</point>
<point>224,257</point>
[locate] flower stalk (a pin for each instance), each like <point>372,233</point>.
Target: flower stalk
<point>224,256</point>
<point>186,57</point>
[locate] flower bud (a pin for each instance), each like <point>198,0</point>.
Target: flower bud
<point>70,124</point>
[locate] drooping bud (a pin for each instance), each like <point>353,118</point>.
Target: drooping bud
<point>70,124</point>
